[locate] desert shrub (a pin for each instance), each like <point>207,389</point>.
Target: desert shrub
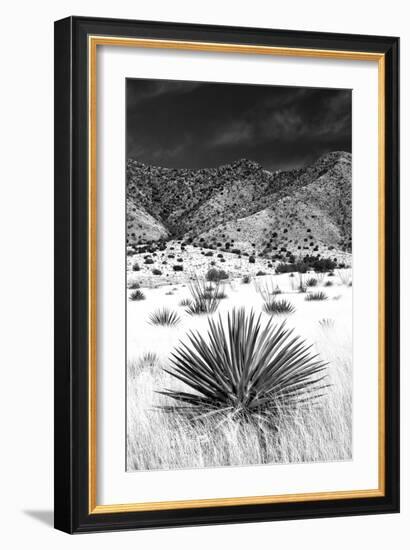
<point>132,285</point>
<point>156,272</point>
<point>216,275</point>
<point>164,317</point>
<point>260,273</point>
<point>328,283</point>
<point>219,366</point>
<point>322,265</point>
<point>185,302</point>
<point>311,281</point>
<point>278,307</point>
<point>289,268</point>
<point>178,267</point>
<point>148,261</point>
<point>136,267</point>
<point>246,279</point>
<point>209,253</point>
<point>316,296</point>
<point>252,259</point>
<point>204,297</point>
<point>137,295</point>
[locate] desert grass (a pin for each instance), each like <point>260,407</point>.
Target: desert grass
<point>278,307</point>
<point>164,317</point>
<point>345,276</point>
<point>311,432</point>
<point>316,296</point>
<point>137,295</point>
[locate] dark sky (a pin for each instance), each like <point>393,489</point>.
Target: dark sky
<point>184,124</point>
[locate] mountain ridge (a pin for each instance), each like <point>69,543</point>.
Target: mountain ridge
<point>301,211</point>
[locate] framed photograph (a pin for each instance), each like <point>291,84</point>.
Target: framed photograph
<point>226,274</point>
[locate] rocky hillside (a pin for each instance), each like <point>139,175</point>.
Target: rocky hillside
<point>241,206</point>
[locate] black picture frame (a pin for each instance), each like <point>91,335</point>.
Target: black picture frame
<point>71,493</point>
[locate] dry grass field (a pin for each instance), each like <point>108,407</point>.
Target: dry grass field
<point>310,430</point>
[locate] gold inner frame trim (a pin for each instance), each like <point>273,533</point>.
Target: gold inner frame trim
<point>93,42</point>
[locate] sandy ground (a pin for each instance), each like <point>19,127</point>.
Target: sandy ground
<point>143,337</point>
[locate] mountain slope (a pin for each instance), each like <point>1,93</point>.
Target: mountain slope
<point>243,206</point>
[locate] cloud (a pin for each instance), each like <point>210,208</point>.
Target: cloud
<point>195,124</point>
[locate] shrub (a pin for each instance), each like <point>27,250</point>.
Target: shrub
<point>260,273</point>
<point>316,296</point>
<point>216,275</point>
<point>252,259</point>
<point>164,317</point>
<point>178,267</point>
<point>137,295</point>
<point>209,253</point>
<point>148,261</point>
<point>185,302</point>
<point>246,279</point>
<point>227,374</point>
<point>278,307</point>
<point>136,267</point>
<point>204,298</point>
<point>132,285</point>
<point>156,272</point>
<point>328,283</point>
<point>311,281</point>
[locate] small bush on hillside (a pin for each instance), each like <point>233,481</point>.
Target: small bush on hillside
<point>251,259</point>
<point>132,285</point>
<point>215,275</point>
<point>136,267</point>
<point>246,279</point>
<point>178,267</point>
<point>260,273</point>
<point>311,281</point>
<point>156,272</point>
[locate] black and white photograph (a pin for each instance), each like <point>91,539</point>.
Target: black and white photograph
<point>239,274</point>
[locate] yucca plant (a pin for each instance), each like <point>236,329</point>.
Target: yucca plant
<point>316,296</point>
<point>243,370</point>
<point>311,281</point>
<point>204,297</point>
<point>278,307</point>
<point>164,317</point>
<point>137,295</point>
<point>185,302</point>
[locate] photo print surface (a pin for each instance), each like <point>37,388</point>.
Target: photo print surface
<point>239,274</point>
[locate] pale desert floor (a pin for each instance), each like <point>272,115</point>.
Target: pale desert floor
<point>157,440</point>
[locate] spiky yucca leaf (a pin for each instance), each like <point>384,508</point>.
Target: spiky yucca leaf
<point>244,370</point>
